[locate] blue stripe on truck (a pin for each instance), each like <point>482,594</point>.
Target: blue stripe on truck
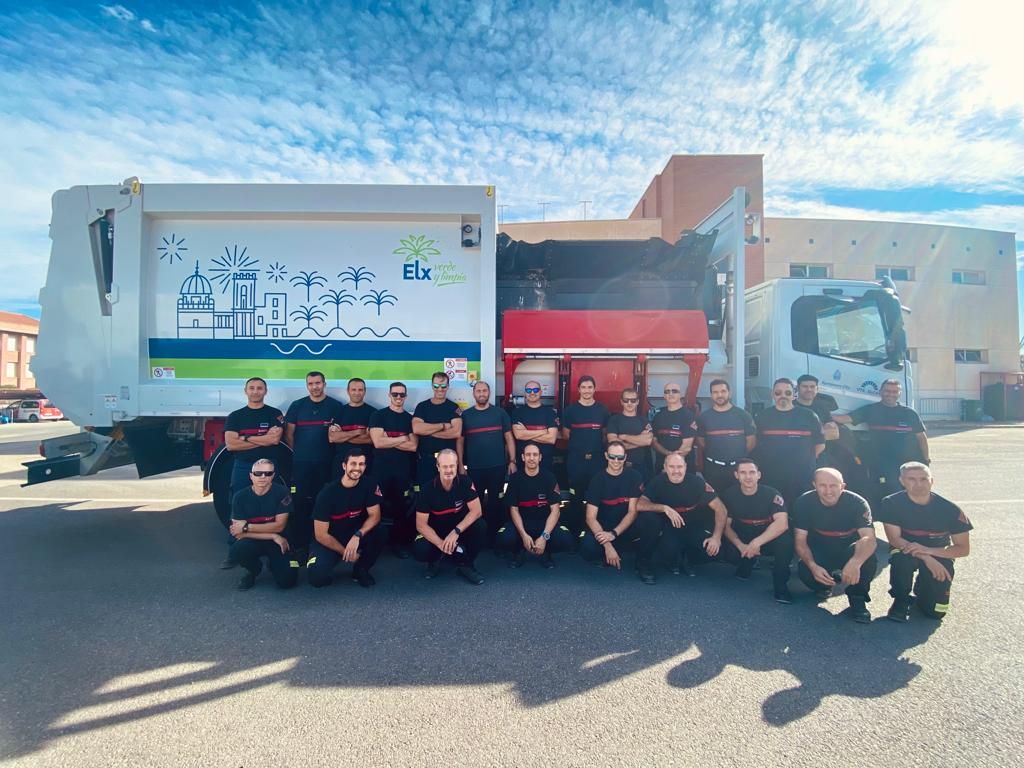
<point>311,349</point>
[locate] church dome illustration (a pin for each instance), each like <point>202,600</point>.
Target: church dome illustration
<point>196,285</point>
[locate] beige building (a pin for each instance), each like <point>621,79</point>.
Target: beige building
<point>17,346</point>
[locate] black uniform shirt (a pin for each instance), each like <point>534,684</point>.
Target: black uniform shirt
<point>541,417</point>
<point>586,425</point>
<point>725,433</point>
<point>483,434</point>
<point>437,502</point>
<point>533,496</point>
<point>391,462</point>
<point>893,433</point>
<point>685,497</point>
<point>752,514</point>
<point>246,504</point>
<point>822,405</point>
<point>621,424</point>
<point>338,506</point>
<point>837,524</point>
<point>786,442</point>
<point>312,421</point>
<point>611,495</point>
<point>929,524</point>
<point>255,422</point>
<point>672,427</point>
<point>353,418</point>
<point>435,413</point>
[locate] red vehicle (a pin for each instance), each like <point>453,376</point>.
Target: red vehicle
<point>36,410</point>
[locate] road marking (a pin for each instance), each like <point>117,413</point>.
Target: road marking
<point>64,499</point>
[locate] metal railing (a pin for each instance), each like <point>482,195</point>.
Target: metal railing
<point>936,408</point>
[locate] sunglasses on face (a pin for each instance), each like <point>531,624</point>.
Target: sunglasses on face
<point>616,456</point>
<point>397,394</point>
<point>631,399</point>
<point>672,391</point>
<point>439,386</point>
<point>263,473</point>
<point>532,390</point>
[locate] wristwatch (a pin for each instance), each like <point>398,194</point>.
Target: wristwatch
<point>245,438</point>
<point>245,528</point>
<point>358,534</point>
<point>458,531</point>
<point>545,535</point>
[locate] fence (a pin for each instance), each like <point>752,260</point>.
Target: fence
<point>939,408</point>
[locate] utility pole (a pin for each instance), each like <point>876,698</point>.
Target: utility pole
<point>585,204</point>
<point>501,213</point>
<point>544,210</point>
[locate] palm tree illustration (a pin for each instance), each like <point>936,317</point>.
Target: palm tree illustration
<point>417,247</point>
<point>379,299</point>
<point>356,275</point>
<point>337,298</point>
<point>308,314</point>
<point>309,279</point>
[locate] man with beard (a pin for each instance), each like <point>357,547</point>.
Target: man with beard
<point>789,440</point>
<point>725,434</point>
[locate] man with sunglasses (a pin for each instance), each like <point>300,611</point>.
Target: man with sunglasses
<point>345,525</point>
<point>725,434</point>
<point>583,425</point>
<point>447,520</point>
<point>488,451</point>
<point>259,515</point>
<point>674,428</point>
<point>611,509</point>
<point>352,428</point>
<point>438,424</point>
<point>789,441</point>
<point>537,423</point>
<point>395,453</point>
<point>681,509</point>
<point>635,432</point>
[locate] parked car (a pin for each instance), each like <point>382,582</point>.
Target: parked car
<point>37,410</point>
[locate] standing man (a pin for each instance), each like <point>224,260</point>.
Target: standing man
<point>306,430</point>
<point>926,533</point>
<point>438,424</point>
<point>808,396</point>
<point>725,434</point>
<point>447,515</point>
<point>834,539</point>
<point>682,509</point>
<point>346,525</point>
<point>789,440</point>
<point>537,423</point>
<point>611,509</point>
<point>488,451</point>
<point>758,524</point>
<point>259,515</point>
<point>583,425</point>
<point>252,432</point>
<point>534,500</point>
<point>674,428</point>
<point>395,447</point>
<point>896,435</point>
<point>352,428</point>
<point>635,432</point>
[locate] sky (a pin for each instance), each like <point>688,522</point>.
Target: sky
<point>875,109</point>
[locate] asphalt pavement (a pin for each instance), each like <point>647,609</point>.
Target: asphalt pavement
<point>121,643</point>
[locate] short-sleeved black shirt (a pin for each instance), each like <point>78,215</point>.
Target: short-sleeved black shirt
<point>435,413</point>
<point>533,496</point>
<point>611,495</point>
<point>752,514</point>
<point>351,419</point>
<point>255,422</point>
<point>312,421</point>
<point>725,433</point>
<point>541,417</point>
<point>586,425</point>
<point>246,504</point>
<point>638,458</point>
<point>685,497</point>
<point>483,434</point>
<point>435,501</point>
<point>786,442</point>
<point>822,405</point>
<point>391,462</point>
<point>893,433</point>
<point>672,427</point>
<point>338,506</point>
<point>837,524</point>
<point>929,524</point>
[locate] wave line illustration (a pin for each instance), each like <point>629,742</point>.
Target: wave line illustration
<point>300,344</point>
<point>356,333</point>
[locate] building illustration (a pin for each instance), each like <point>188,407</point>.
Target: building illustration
<point>198,317</point>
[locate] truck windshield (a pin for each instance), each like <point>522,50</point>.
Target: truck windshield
<point>852,330</point>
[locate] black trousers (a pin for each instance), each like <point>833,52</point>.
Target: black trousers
<point>471,541</point>
<point>508,537</point>
<point>581,471</point>
<point>719,477</point>
<point>308,479</point>
<point>780,548</point>
<point>247,553</point>
<point>832,557</point>
<point>490,484</point>
<point>322,561</point>
<point>931,596</point>
<point>655,532</point>
<point>396,508</point>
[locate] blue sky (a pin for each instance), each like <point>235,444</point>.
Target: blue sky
<point>869,109</point>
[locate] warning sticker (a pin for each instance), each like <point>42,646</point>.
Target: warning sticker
<point>163,372</point>
<point>457,368</point>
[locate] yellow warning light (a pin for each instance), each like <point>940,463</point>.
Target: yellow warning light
<point>490,191</point>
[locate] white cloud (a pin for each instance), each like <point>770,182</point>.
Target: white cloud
<point>118,12</point>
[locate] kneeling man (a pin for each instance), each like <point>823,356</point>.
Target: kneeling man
<point>346,520</point>
<point>611,509</point>
<point>534,501</point>
<point>259,514</point>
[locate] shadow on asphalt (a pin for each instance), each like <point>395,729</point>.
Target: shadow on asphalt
<point>116,615</point>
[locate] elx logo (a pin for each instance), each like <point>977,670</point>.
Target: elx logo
<point>417,250</point>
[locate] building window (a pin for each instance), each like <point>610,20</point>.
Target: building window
<point>970,355</point>
<point>968,277</point>
<point>11,370</point>
<point>30,346</point>
<point>904,274</point>
<point>853,242</point>
<point>274,314</point>
<point>810,270</point>
<point>767,240</point>
<point>810,241</point>
<point>12,343</point>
